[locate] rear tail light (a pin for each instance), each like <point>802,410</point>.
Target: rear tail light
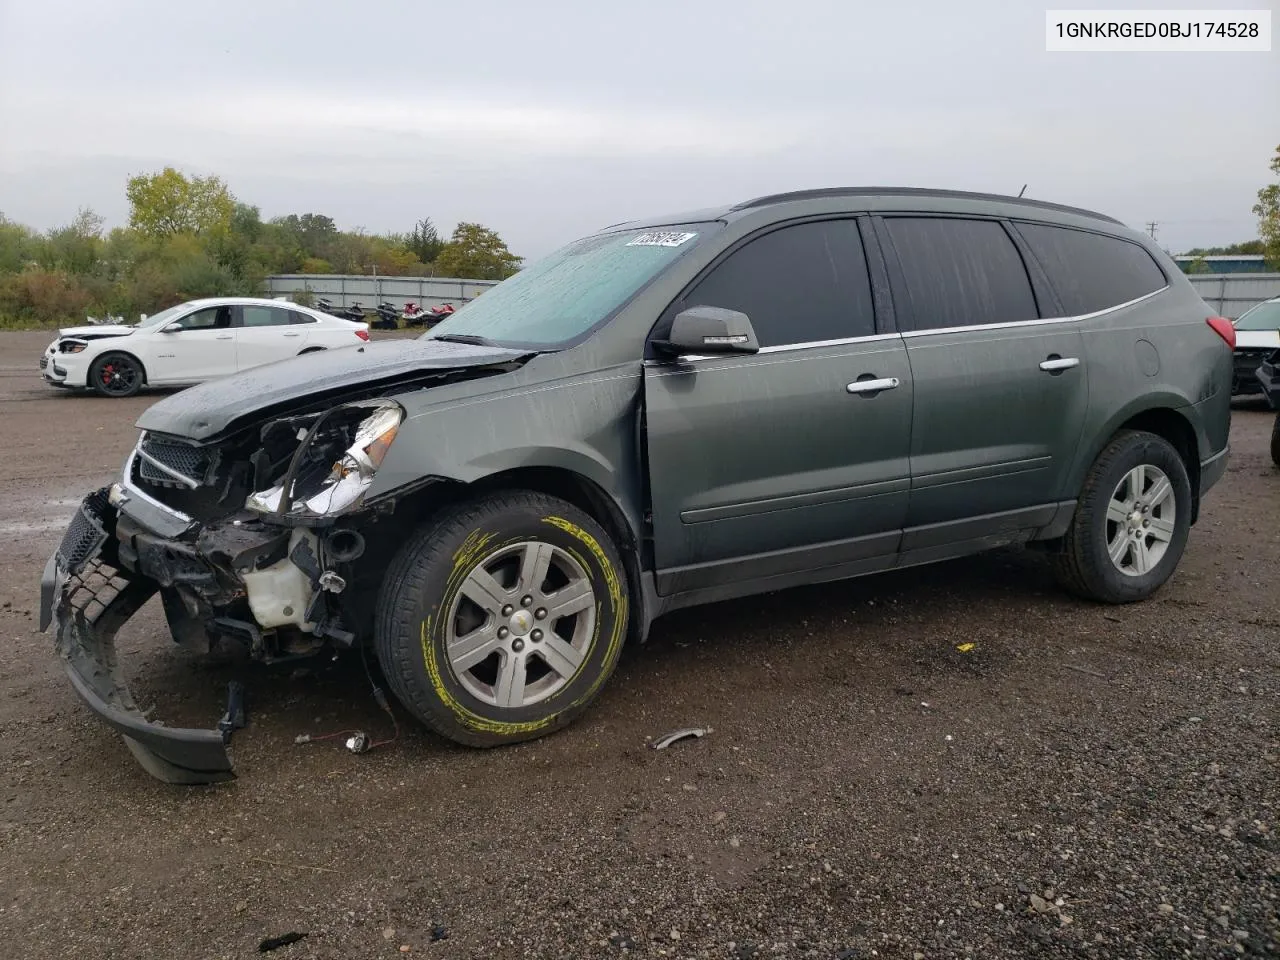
<point>362,334</point>
<point>1223,328</point>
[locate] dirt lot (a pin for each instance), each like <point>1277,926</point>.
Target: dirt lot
<point>869,789</point>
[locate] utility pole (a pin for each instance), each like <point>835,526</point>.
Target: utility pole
<point>1151,228</point>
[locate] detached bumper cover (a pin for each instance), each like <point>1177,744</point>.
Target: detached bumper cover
<point>87,600</point>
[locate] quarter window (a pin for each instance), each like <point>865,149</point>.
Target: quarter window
<point>1091,271</point>
<point>799,284</point>
<point>958,273</point>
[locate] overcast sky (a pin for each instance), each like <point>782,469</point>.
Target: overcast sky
<point>547,120</point>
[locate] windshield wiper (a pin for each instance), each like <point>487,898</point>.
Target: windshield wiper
<point>466,338</point>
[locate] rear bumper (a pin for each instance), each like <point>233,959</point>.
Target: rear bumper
<point>1213,469</point>
<point>87,600</point>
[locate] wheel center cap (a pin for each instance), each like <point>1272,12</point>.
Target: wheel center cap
<point>1135,519</point>
<point>521,622</point>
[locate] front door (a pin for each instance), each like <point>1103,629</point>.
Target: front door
<point>195,347</point>
<point>1001,393</point>
<point>782,461</point>
<point>267,334</point>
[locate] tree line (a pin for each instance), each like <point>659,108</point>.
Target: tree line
<point>191,237</point>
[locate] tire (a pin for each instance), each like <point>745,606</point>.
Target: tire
<point>1148,552</point>
<point>1275,441</point>
<point>426,600</point>
<point>303,353</point>
<point>116,375</point>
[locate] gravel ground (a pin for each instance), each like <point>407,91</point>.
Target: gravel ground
<point>1083,781</point>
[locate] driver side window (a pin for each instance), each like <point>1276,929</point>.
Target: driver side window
<point>210,318</point>
<point>798,284</point>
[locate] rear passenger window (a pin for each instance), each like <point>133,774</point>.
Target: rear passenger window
<point>799,284</point>
<point>958,273</point>
<point>1089,271</point>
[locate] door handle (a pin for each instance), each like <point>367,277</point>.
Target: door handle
<point>292,334</point>
<point>225,336</point>
<point>1056,364</point>
<point>873,386</point>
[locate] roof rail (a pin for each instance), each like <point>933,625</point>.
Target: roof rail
<point>825,192</point>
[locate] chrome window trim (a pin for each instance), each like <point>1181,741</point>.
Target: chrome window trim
<point>777,348</point>
<point>817,344</point>
<point>1034,323</point>
<point>126,482</point>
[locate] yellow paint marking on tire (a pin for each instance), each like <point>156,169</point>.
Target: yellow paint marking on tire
<point>464,559</point>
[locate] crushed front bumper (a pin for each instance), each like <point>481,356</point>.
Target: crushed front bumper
<point>87,596</point>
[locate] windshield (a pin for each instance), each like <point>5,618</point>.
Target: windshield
<point>563,296</point>
<point>163,316</point>
<point>1265,316</point>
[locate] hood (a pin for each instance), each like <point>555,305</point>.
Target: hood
<point>1252,339</point>
<point>208,409</point>
<point>96,330</point>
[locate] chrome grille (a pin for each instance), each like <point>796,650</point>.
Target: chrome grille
<point>181,458</point>
<point>86,532</point>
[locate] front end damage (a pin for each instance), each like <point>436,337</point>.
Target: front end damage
<point>255,540</point>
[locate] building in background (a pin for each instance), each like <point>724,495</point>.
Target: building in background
<point>1224,263</point>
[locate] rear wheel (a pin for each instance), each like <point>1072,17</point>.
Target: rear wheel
<point>116,375</point>
<point>501,620</point>
<point>1275,441</point>
<point>1131,522</point>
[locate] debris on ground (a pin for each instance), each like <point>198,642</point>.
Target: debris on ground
<point>675,737</point>
<point>234,719</point>
<point>275,943</point>
<point>966,647</point>
<point>438,932</point>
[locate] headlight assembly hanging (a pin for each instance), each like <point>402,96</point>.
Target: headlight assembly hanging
<point>317,492</point>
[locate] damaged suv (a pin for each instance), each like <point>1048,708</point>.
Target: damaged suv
<point>797,389</point>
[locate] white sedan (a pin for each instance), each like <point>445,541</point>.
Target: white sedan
<point>194,341</point>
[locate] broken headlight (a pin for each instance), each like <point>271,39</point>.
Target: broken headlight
<point>334,462</point>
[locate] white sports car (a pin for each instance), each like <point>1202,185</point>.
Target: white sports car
<point>194,341</point>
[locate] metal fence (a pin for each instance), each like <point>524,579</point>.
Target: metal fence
<point>1231,294</point>
<point>343,291</point>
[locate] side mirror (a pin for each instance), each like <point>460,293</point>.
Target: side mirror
<point>175,327</point>
<point>709,331</point>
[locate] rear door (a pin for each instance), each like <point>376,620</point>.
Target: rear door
<point>782,461</point>
<point>1001,393</point>
<point>267,334</point>
<point>198,346</point>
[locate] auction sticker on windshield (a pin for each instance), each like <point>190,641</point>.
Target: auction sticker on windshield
<point>661,239</point>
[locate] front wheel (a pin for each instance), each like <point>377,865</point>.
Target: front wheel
<point>1275,441</point>
<point>500,621</point>
<point>1131,521</point>
<point>116,375</point>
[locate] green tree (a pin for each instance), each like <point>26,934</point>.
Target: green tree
<point>475,252</point>
<point>75,247</point>
<point>424,242</point>
<point>1249,247</point>
<point>1196,266</point>
<point>1267,211</point>
<point>314,233</point>
<point>167,203</point>
<point>19,246</point>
